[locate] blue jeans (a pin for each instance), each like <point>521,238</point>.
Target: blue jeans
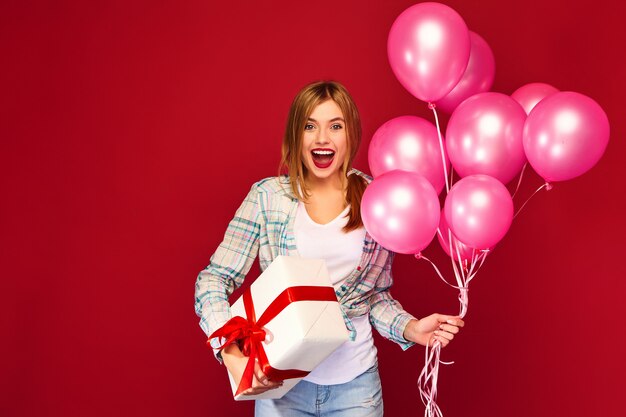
<point>361,397</point>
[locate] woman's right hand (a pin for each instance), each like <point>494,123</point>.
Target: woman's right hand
<point>236,363</point>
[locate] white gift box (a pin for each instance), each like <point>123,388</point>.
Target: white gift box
<point>303,334</point>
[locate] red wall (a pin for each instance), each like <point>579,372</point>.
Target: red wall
<point>130,131</point>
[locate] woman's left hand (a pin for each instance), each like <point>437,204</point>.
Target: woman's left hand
<point>436,327</point>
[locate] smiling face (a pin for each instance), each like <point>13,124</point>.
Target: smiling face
<point>322,118</point>
<point>324,143</point>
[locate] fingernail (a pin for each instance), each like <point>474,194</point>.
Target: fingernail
<point>264,381</point>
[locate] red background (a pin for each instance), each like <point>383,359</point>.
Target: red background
<point>130,132</point>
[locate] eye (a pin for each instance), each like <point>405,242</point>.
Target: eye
<point>309,126</point>
<point>336,126</point>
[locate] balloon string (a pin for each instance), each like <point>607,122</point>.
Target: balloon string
<point>481,257</point>
<point>463,301</point>
<point>521,175</point>
<point>443,155</point>
<point>439,273</point>
<point>460,276</point>
<point>464,274</point>
<point>428,378</point>
<point>547,186</point>
<point>427,381</point>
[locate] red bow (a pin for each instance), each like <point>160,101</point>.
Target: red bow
<point>249,333</point>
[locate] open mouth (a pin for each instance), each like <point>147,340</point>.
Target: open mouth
<point>322,158</point>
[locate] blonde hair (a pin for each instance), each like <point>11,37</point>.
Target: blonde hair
<point>303,105</point>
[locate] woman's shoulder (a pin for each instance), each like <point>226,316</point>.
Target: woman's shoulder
<point>363,175</point>
<point>274,186</point>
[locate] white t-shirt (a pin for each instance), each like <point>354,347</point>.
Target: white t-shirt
<point>342,253</point>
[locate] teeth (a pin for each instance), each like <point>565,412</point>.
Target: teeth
<point>323,152</point>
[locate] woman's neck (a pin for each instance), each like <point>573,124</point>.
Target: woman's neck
<point>325,185</point>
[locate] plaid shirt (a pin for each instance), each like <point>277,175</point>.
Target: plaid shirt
<point>263,225</point>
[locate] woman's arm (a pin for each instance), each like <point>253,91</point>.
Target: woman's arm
<point>394,323</point>
<point>228,266</point>
<point>436,327</point>
<point>386,313</point>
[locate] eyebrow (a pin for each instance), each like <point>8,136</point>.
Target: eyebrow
<point>331,120</point>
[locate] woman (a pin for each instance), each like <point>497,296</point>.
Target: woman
<point>314,212</point>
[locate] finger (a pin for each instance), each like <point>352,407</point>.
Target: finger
<point>255,391</point>
<point>256,384</point>
<point>445,318</point>
<point>449,328</point>
<point>260,389</point>
<point>260,376</point>
<point>455,321</point>
<point>444,342</point>
<point>444,335</point>
<point>442,318</point>
<point>435,340</point>
<point>271,384</point>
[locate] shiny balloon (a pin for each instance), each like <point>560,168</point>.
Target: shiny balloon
<point>565,136</point>
<point>444,234</point>
<point>479,211</point>
<point>477,78</point>
<point>408,143</point>
<point>400,210</point>
<point>428,49</point>
<point>530,94</point>
<point>484,136</point>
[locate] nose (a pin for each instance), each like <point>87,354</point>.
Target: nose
<point>322,137</point>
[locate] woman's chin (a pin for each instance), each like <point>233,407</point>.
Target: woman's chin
<point>323,175</point>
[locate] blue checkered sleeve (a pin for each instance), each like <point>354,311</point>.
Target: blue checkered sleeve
<point>228,266</point>
<point>386,314</point>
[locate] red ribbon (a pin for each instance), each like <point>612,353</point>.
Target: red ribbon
<point>249,333</point>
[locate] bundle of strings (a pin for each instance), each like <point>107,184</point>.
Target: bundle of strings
<point>464,272</point>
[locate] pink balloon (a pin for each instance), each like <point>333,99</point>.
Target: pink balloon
<point>530,94</point>
<point>428,49</point>
<point>444,235</point>
<point>484,136</point>
<point>478,76</point>
<point>565,135</point>
<point>408,143</point>
<point>400,210</point>
<point>479,211</point>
